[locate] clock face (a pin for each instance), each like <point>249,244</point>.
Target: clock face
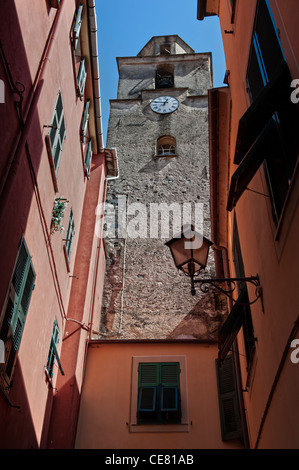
<point>164,104</point>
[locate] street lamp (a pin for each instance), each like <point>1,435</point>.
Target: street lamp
<point>190,251</point>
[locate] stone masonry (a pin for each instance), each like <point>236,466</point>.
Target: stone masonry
<point>145,296</point>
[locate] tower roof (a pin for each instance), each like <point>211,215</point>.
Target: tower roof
<point>165,45</point>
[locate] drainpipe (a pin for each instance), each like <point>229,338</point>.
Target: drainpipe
<point>92,22</point>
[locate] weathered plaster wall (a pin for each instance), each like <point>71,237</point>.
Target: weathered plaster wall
<point>145,297</point>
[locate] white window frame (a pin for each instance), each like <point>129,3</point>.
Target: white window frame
<point>184,425</point>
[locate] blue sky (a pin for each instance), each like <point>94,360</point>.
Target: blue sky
<point>125,26</point>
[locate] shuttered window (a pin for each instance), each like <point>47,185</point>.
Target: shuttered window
<point>159,393</point>
<point>81,77</point>
<point>268,130</point>
<point>68,241</point>
<point>84,125</point>
<point>77,27</point>
<point>57,132</point>
<point>20,291</point>
<point>53,353</point>
<point>229,409</point>
<point>266,52</point>
<point>88,158</point>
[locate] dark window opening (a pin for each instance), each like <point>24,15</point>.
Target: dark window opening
<point>164,77</point>
<point>159,393</point>
<point>166,146</point>
<point>265,62</point>
<point>229,408</point>
<point>248,331</point>
<point>233,10</point>
<point>165,49</point>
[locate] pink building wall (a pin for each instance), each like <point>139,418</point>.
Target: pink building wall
<point>36,45</point>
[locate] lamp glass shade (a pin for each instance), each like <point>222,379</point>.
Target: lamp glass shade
<point>189,250</point>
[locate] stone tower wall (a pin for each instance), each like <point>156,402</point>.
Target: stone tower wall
<point>145,296</point>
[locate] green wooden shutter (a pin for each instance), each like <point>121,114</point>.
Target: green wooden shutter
<point>88,158</point>
<point>77,26</point>
<point>148,374</point>
<point>21,287</point>
<point>148,381</point>
<point>53,353</point>
<point>70,235</point>
<point>230,419</point>
<point>170,373</point>
<point>170,387</point>
<point>83,131</point>
<point>81,78</point>
<point>57,132</point>
<point>232,326</point>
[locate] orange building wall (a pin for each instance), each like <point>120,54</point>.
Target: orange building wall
<point>270,254</point>
<point>106,398</point>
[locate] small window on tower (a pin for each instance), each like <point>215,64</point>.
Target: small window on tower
<point>166,146</point>
<point>165,49</point>
<point>164,77</point>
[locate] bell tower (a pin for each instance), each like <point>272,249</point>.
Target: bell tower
<point>159,126</point>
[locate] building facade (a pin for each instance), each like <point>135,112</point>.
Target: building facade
<point>53,175</point>
<point>254,206</point>
<point>152,377</point>
<point>164,166</point>
<point>189,394</point>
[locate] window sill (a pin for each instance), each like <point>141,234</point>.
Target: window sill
<point>166,156</point>
<point>184,427</point>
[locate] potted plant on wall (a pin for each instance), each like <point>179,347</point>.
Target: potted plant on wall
<point>60,203</point>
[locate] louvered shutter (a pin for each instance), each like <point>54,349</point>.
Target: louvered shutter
<point>170,383</point>
<point>57,132</point>
<point>88,158</point>
<point>53,353</point>
<point>230,419</point>
<point>148,380</point>
<point>70,235</point>
<point>21,287</point>
<point>77,26</point>
<point>83,132</point>
<point>81,79</point>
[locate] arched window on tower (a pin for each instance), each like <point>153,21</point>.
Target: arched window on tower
<point>166,146</point>
<point>164,77</point>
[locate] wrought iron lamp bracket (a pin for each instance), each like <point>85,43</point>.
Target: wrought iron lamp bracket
<point>231,284</point>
